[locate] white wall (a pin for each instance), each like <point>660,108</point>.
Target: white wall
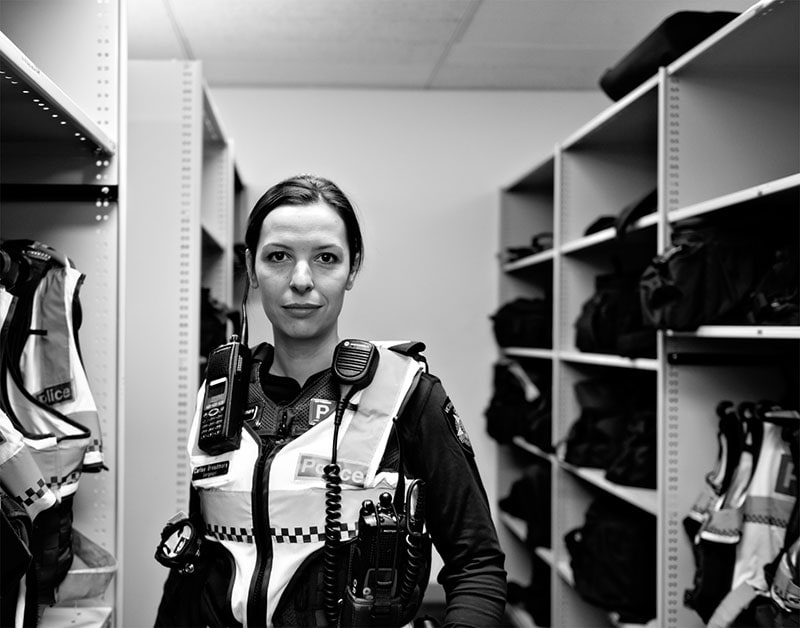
<point>424,170</point>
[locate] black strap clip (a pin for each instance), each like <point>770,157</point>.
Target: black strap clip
<point>180,544</point>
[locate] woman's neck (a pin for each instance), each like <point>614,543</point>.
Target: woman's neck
<point>301,359</point>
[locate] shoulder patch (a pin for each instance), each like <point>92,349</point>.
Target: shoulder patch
<point>456,426</point>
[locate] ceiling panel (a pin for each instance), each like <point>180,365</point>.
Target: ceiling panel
<point>421,44</point>
<point>245,25</point>
<point>518,67</point>
<point>594,24</point>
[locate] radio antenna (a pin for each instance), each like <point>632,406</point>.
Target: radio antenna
<point>244,311</point>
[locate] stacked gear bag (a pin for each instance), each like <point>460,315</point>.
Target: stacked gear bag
<point>615,430</point>
<point>530,501</point>
<point>744,525</point>
<point>524,322</point>
<point>48,419</point>
<point>520,404</point>
<point>613,559</point>
<point>719,272</point>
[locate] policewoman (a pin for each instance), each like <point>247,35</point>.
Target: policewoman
<point>351,460</point>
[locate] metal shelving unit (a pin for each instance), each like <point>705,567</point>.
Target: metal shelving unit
<point>61,184</point>
<point>698,133</point>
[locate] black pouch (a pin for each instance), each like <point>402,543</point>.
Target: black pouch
<point>610,321</point>
<point>529,500</point>
<point>524,322</point>
<point>511,412</point>
<point>199,598</point>
<point>703,278</point>
<point>15,537</point>
<point>635,464</point>
<point>775,300</point>
<point>594,438</point>
<point>613,559</point>
<point>674,36</point>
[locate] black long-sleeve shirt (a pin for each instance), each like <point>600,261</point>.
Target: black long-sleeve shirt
<point>436,448</point>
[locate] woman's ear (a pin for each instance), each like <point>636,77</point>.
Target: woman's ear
<point>351,278</point>
<point>251,275</point>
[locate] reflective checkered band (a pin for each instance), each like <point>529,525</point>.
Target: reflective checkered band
<point>225,533</point>
<point>33,494</point>
<point>767,520</point>
<point>313,534</point>
<point>71,478</point>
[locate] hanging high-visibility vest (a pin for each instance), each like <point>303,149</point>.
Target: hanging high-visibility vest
<point>44,389</point>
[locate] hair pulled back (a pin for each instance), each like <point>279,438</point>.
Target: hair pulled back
<point>303,190</point>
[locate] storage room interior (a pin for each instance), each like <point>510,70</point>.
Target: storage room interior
<point>587,210</point>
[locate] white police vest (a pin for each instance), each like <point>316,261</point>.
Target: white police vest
<point>296,487</point>
<point>48,396</point>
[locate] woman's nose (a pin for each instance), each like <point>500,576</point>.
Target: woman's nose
<point>302,280</point>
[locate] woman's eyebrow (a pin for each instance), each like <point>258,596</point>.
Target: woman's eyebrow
<point>314,246</point>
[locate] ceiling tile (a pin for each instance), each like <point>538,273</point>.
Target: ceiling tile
<point>491,44</point>
<point>247,25</point>
<point>595,24</point>
<point>319,42</point>
<point>518,67</point>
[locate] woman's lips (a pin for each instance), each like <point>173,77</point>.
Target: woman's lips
<point>301,309</point>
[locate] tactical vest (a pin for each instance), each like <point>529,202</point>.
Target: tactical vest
<point>288,448</point>
<point>766,510</point>
<point>44,389</point>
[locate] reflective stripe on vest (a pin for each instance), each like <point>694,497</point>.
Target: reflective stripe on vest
<point>20,477</point>
<point>296,486</point>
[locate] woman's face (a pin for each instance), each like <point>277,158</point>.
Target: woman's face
<point>301,268</point>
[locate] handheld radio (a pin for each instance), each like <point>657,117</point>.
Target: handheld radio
<point>355,362</point>
<point>222,415</point>
<point>373,565</point>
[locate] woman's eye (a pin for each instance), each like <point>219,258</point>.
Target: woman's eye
<point>276,256</point>
<point>328,258</point>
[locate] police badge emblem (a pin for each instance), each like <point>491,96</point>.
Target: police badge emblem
<point>457,426</point>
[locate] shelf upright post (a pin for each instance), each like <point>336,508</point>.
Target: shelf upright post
<point>163,302</point>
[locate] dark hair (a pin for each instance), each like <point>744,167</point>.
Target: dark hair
<point>302,190</point>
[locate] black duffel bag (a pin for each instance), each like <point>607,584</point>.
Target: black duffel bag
<point>613,559</point>
<point>524,322</point>
<point>610,320</point>
<point>595,437</point>
<point>675,35</point>
<point>635,462</point>
<point>514,410</point>
<point>703,278</point>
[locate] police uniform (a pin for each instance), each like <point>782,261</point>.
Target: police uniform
<point>435,448</point>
